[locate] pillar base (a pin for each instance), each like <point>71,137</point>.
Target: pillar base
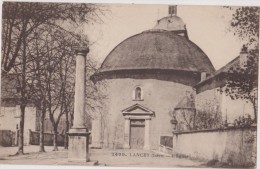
<point>78,145</point>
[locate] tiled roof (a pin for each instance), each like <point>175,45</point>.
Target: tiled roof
<point>225,69</point>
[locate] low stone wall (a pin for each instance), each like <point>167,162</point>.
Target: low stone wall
<point>234,146</point>
<point>48,138</point>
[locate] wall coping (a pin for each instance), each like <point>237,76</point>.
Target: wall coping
<point>254,127</point>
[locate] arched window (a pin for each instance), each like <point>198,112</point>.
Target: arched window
<point>138,94</point>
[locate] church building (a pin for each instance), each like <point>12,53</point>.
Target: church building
<point>146,76</point>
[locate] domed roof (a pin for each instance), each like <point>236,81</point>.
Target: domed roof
<point>157,49</point>
<point>170,23</point>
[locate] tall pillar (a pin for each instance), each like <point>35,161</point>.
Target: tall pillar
<point>127,134</point>
<point>78,134</point>
<point>79,103</point>
<point>147,135</point>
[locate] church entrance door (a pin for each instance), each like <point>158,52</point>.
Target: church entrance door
<point>137,134</point>
<point>137,127</point>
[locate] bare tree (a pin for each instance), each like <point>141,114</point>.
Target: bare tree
<point>62,78</point>
<point>21,20</point>
<point>40,76</point>
<point>56,52</point>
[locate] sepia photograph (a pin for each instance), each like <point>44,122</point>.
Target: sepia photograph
<point>129,85</point>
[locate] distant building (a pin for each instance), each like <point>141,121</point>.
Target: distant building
<point>210,90</point>
<point>10,112</point>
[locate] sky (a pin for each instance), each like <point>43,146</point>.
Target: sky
<point>208,27</point>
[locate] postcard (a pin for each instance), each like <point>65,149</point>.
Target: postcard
<point>129,85</point>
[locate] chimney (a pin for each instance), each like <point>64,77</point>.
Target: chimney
<point>203,76</point>
<point>243,56</point>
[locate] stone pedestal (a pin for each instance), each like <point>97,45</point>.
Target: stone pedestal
<point>79,135</point>
<point>78,145</point>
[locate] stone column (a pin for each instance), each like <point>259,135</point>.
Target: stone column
<point>127,134</point>
<point>79,103</point>
<point>78,134</point>
<point>147,134</point>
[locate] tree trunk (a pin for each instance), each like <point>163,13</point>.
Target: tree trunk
<point>55,146</point>
<point>66,140</point>
<point>21,131</point>
<point>23,100</point>
<point>42,131</point>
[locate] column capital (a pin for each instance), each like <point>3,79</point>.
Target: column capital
<point>79,50</point>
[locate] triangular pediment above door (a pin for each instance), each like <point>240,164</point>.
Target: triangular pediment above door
<point>137,109</point>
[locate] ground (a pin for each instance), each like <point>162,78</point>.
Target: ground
<point>104,158</point>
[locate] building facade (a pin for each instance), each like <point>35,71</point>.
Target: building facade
<point>146,76</point>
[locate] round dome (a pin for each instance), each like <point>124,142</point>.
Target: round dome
<point>157,50</point>
<point>170,23</point>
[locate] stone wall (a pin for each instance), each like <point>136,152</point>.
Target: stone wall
<point>234,146</point>
<point>48,139</point>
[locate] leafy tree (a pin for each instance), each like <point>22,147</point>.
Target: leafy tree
<point>207,120</point>
<point>245,24</point>
<point>242,81</point>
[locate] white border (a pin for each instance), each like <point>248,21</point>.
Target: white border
<point>177,2</point>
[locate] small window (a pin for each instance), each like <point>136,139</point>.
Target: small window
<point>138,94</point>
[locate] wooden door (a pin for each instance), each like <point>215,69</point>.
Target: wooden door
<point>137,134</point>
